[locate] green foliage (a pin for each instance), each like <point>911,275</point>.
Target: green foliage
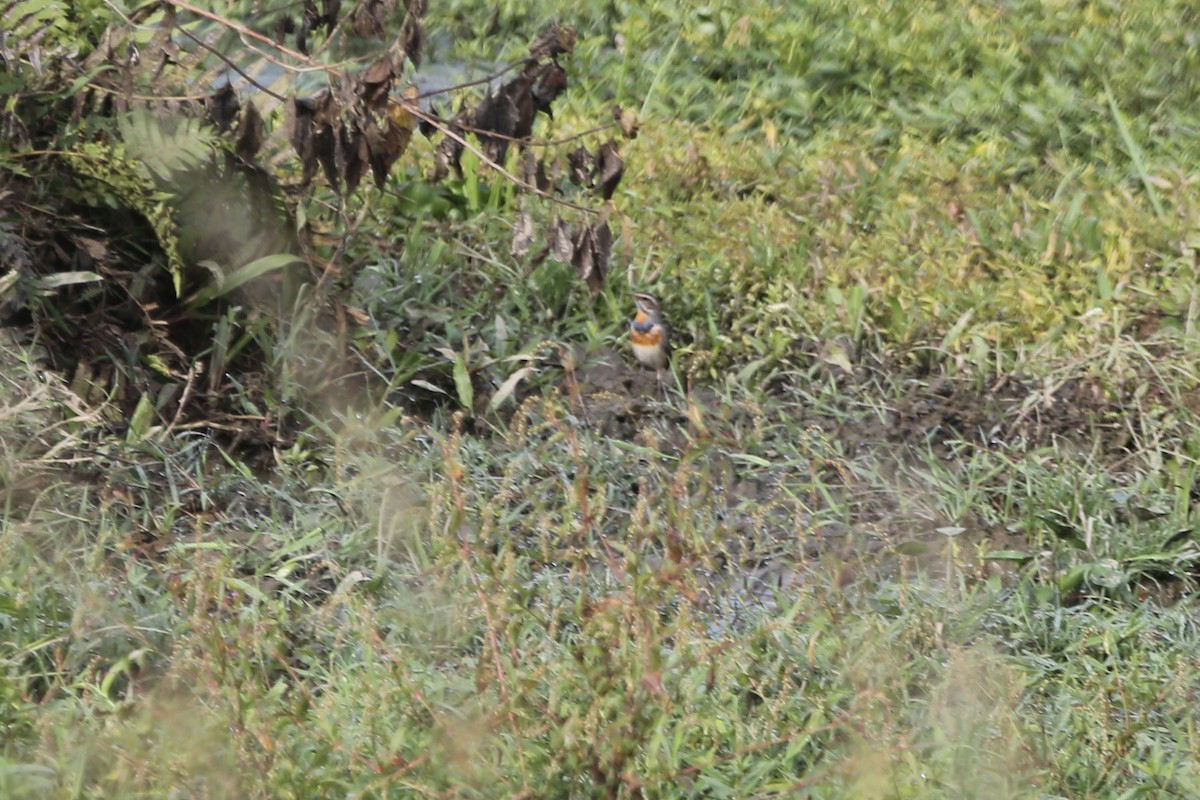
<point>167,147</point>
<point>558,612</point>
<point>53,26</point>
<point>916,522</point>
<point>887,171</point>
<point>118,179</point>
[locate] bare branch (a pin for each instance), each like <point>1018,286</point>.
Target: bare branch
<point>229,63</point>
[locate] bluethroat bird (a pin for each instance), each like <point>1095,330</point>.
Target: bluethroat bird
<point>651,339</point>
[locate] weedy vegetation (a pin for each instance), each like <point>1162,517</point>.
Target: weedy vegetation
<point>327,471</point>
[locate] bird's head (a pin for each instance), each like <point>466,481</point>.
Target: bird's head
<point>646,303</point>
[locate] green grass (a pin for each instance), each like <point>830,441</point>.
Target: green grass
<point>549,611</point>
<point>1023,162</point>
<point>920,523</point>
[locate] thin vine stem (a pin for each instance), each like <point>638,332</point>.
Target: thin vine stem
<point>229,63</point>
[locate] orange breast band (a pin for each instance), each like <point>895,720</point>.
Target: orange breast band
<point>650,338</point>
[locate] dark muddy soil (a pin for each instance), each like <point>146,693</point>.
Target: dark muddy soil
<point>778,529</point>
<point>1012,412</point>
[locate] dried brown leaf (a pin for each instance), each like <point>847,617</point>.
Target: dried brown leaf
<point>315,137</point>
<point>585,256</point>
<point>283,26</point>
<point>370,17</point>
<point>520,93</point>
<point>325,109</point>
<point>313,20</point>
<point>428,124</point>
<point>509,386</point>
<point>528,173</point>
<point>386,149</point>
<point>508,113</point>
<point>562,244</point>
<point>448,154</point>
<point>580,166</point>
<point>593,251</point>
<point>325,146</point>
<point>628,120</point>
<point>302,135</point>
<point>96,249</point>
<point>412,38</point>
<point>602,239</point>
<point>222,107</point>
<point>250,133</point>
<point>587,249</point>
<point>375,83</point>
<point>496,114</point>
<point>353,155</point>
<point>533,172</point>
<point>333,10</point>
<point>522,234</point>
<point>609,168</point>
<point>549,82</point>
<point>441,161</point>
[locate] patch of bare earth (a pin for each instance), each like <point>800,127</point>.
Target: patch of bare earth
<point>858,505</point>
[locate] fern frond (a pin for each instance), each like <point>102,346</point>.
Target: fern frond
<point>167,146</point>
<point>129,180</point>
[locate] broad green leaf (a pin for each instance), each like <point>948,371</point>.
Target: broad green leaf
<point>143,415</point>
<point>59,279</point>
<point>1135,152</point>
<point>462,382</point>
<point>750,459</point>
<point>1008,555</point>
<point>427,386</point>
<point>956,330</point>
<point>255,269</point>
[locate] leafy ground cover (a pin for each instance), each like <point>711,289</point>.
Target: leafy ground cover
<point>913,517</point>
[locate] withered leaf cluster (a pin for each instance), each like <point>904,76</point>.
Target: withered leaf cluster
<point>351,128</point>
<point>588,248</point>
<point>315,19</point>
<point>368,19</point>
<point>356,125</point>
<point>311,19</point>
<point>371,18</point>
<point>506,115</point>
<point>601,170</point>
<point>222,109</point>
